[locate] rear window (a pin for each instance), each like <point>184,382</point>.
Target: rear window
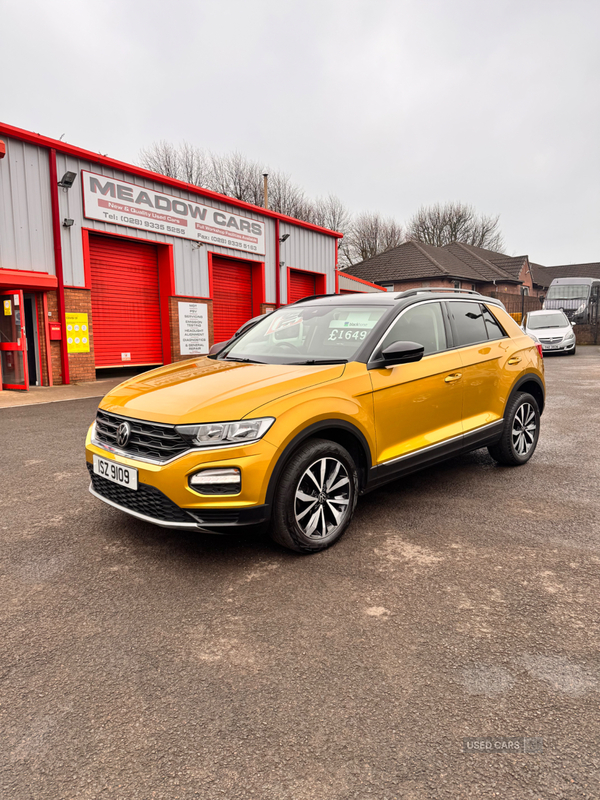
<point>539,321</point>
<point>493,327</point>
<point>468,323</point>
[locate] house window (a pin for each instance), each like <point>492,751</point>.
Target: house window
<point>456,284</point>
<point>389,287</point>
<point>525,290</point>
<point>473,287</point>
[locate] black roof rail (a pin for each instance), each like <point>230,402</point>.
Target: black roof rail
<point>312,297</point>
<point>425,289</point>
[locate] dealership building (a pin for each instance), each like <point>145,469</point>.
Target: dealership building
<point>104,264</point>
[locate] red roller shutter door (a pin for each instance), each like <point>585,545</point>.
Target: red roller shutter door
<point>232,297</point>
<point>302,284</point>
<point>125,302</point>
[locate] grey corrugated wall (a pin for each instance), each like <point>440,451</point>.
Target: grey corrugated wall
<point>25,209</point>
<point>306,249</point>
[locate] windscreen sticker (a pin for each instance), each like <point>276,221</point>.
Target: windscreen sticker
<point>356,320</point>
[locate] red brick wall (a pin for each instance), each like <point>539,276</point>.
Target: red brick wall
<point>54,346</point>
<point>81,365</point>
<point>174,324</point>
<point>39,297</point>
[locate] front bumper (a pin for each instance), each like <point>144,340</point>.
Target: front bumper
<point>164,497</point>
<point>563,347</point>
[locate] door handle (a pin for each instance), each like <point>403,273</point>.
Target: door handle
<point>514,360</point>
<point>456,376</point>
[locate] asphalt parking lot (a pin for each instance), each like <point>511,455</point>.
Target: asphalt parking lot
<point>464,601</point>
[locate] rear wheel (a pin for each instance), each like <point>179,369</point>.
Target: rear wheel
<point>315,498</point>
<point>521,431</point>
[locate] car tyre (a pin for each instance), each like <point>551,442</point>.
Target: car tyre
<point>315,497</point>
<point>573,351</point>
<point>520,433</point>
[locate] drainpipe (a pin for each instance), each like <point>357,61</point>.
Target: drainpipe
<point>277,267</point>
<point>58,263</point>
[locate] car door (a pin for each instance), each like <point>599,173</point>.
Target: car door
<point>417,405</point>
<point>485,352</point>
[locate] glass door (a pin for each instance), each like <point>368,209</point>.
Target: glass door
<point>12,341</point>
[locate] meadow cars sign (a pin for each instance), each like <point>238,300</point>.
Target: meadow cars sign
<point>121,203</point>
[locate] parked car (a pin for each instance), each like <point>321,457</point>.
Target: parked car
<point>314,405</point>
<point>553,331</point>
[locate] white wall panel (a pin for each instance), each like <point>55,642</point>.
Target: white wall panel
<point>309,250</point>
<point>25,210</point>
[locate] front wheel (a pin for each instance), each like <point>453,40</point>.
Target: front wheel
<point>315,498</point>
<point>520,433</point>
<point>573,351</point>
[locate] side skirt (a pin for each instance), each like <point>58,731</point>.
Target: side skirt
<point>428,456</point>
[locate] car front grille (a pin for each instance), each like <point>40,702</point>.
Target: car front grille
<point>146,440</point>
<point>550,339</point>
<point>145,500</point>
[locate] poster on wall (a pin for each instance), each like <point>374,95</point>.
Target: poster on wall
<point>122,203</point>
<point>78,335</point>
<point>193,329</point>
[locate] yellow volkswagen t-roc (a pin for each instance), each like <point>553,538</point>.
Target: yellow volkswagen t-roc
<point>309,407</point>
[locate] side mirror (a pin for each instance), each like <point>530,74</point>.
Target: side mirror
<point>397,353</point>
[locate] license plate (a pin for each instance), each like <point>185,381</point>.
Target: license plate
<point>117,473</point>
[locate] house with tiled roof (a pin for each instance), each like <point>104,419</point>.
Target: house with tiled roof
<point>414,265</point>
<point>590,270</point>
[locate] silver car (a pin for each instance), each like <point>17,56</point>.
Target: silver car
<point>552,329</point>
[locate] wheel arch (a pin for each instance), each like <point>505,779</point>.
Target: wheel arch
<point>532,384</point>
<point>338,431</point>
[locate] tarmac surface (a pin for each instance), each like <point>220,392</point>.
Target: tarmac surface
<point>464,601</point>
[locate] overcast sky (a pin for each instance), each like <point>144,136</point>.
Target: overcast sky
<point>387,104</point>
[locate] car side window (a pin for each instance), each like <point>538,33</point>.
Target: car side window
<point>423,324</point>
<point>494,329</point>
<point>468,323</point>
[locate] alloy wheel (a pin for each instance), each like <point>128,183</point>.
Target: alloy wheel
<point>524,429</point>
<point>322,500</point>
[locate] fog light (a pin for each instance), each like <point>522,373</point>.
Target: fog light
<point>217,481</point>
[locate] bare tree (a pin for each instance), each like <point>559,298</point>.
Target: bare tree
<point>329,212</point>
<point>287,198</point>
<point>369,234</point>
<point>193,165</point>
<point>442,224</point>
<point>162,157</point>
<point>236,176</point>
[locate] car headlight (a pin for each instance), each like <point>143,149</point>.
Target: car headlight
<point>570,335</point>
<point>216,433</point>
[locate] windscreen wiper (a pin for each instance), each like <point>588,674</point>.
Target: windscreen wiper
<point>243,360</point>
<point>318,361</point>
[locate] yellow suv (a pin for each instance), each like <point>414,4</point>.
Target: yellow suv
<point>313,405</point>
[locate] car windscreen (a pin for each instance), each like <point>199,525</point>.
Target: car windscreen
<point>537,321</point>
<point>307,334</point>
<point>568,291</point>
